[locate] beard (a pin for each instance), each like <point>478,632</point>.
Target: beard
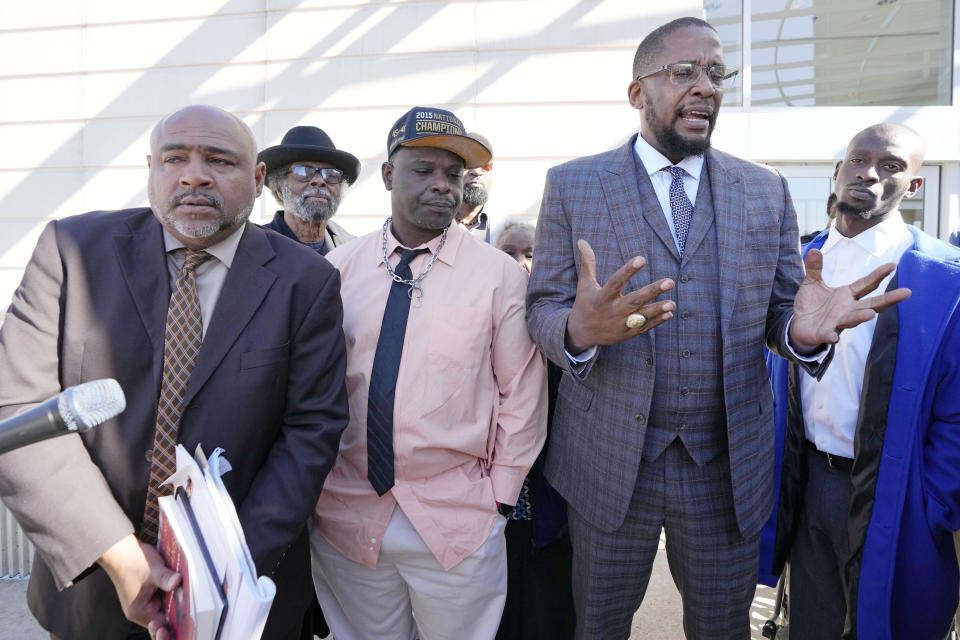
<point>475,195</point>
<point>672,142</point>
<point>865,212</point>
<point>314,210</point>
<point>195,228</point>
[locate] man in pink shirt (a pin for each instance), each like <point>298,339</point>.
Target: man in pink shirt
<point>448,408</point>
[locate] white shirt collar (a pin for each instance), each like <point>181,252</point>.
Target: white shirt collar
<point>877,240</point>
<point>654,161</point>
<point>224,251</point>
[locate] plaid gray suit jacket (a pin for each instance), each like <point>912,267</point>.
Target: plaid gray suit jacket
<point>600,422</point>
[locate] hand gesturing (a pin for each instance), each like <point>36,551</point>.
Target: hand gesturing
<point>599,314</point>
<point>820,312</point>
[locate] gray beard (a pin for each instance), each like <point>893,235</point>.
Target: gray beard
<point>314,211</point>
<point>475,196</point>
<point>195,229</point>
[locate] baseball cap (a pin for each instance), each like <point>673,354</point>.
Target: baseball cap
<point>432,127</point>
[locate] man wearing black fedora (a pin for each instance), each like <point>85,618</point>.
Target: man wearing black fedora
<point>307,175</point>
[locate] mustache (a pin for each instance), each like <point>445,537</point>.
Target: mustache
<point>447,202</point>
<point>318,191</point>
<point>212,199</point>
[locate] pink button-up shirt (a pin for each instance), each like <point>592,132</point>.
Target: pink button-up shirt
<point>470,412</point>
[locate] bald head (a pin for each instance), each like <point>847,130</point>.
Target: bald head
<point>204,174</point>
<point>877,172</point>
<point>893,135</point>
<point>205,115</point>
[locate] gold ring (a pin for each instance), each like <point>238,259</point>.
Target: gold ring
<point>636,320</point>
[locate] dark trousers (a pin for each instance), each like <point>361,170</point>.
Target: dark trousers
<point>713,566</point>
<point>539,598</point>
<point>820,551</point>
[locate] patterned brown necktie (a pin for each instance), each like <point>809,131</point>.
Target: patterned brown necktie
<point>181,343</point>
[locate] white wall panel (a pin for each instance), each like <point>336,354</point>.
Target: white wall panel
<point>23,237</point>
<point>24,15</point>
<point>102,11</point>
<point>198,41</point>
<point>372,30</point>
<point>41,144</point>
<point>40,194</point>
<point>36,52</point>
<point>158,92</point>
<point>408,79</point>
<point>38,98</point>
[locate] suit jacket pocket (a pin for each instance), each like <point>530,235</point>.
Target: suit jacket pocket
<point>576,393</point>
<point>265,357</point>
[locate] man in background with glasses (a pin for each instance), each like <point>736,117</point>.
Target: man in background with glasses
<point>671,430</point>
<point>308,175</point>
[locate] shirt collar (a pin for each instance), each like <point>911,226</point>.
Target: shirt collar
<point>480,222</point>
<point>447,255</point>
<point>224,251</point>
<point>653,161</point>
<point>877,240</point>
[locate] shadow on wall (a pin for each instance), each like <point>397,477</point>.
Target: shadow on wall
<point>386,32</point>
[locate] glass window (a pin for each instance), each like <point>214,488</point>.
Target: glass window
<point>830,53</point>
<point>726,16</point>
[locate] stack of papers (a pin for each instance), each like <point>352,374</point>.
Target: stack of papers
<point>220,596</point>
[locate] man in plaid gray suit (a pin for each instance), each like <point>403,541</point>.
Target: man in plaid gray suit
<point>672,429</point>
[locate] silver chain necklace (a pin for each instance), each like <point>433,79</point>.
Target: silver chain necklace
<point>416,287</point>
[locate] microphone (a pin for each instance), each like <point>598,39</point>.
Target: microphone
<point>74,410</point>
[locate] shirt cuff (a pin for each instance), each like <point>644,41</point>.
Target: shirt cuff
<point>578,363</point>
<point>817,357</point>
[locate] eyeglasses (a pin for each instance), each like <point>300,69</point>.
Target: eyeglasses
<point>303,173</point>
<point>684,74</point>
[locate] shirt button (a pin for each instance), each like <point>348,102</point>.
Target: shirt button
<point>648,361</point>
<point>148,455</point>
<point>373,540</point>
<point>684,278</point>
<point>684,315</point>
<point>682,426</point>
<point>685,353</point>
<point>684,391</point>
<point>371,548</point>
<point>640,418</point>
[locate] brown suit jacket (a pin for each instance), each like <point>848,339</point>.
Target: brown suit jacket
<point>268,386</point>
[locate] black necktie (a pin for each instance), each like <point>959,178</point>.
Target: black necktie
<point>383,378</point>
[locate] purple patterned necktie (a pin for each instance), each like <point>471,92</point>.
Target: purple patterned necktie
<point>680,207</point>
<point>181,343</point>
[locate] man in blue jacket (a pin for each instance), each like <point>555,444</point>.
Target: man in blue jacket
<point>870,488</point>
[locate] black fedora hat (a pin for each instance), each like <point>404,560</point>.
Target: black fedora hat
<point>310,143</point>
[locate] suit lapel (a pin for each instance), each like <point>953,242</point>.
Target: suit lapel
<point>243,292</point>
<point>618,180</point>
<point>143,265</point>
<point>702,215</point>
<point>729,213</point>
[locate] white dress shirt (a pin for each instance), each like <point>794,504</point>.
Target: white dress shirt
<point>210,275</point>
<point>831,406</point>
<point>654,162</point>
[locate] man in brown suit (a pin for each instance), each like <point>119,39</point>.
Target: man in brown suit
<point>267,383</point>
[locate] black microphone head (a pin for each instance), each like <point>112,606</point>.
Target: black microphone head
<point>91,403</point>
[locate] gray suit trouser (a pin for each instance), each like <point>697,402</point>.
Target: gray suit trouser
<point>713,566</point>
